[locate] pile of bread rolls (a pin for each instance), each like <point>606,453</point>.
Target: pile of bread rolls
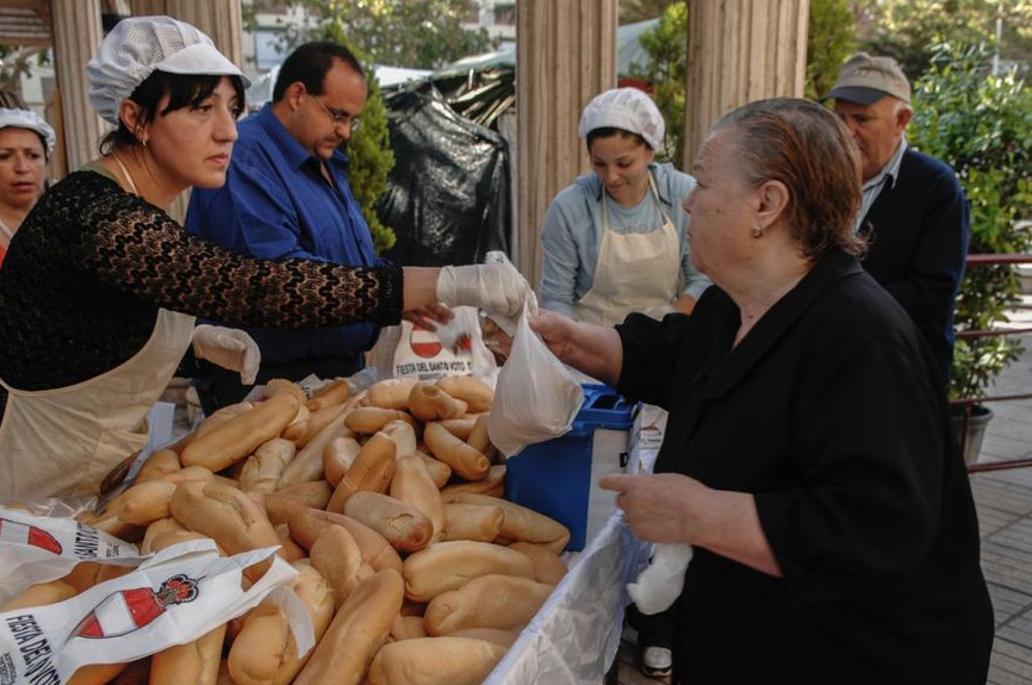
<point>412,567</point>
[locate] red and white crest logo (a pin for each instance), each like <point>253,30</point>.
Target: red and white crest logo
<point>129,610</point>
<point>24,534</point>
<point>424,343</point>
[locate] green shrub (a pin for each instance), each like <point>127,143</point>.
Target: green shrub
<point>981,125</point>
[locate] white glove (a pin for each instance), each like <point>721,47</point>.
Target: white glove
<point>230,348</point>
<point>658,311</point>
<point>660,584</point>
<point>498,289</point>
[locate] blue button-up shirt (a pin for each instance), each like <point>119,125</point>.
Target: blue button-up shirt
<point>276,204</point>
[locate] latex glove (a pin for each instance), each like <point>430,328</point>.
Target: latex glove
<point>499,289</point>
<point>230,348</point>
<point>660,584</point>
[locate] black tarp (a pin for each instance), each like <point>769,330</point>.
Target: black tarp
<point>448,195</point>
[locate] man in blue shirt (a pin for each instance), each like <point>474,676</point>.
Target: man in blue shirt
<point>287,196</point>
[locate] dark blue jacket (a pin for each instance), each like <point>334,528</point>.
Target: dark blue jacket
<point>918,231</point>
<point>276,204</point>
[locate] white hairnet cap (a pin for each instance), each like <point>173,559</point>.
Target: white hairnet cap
<point>628,109</point>
<point>25,118</point>
<point>137,47</point>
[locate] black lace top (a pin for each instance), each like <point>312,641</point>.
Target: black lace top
<point>91,264</point>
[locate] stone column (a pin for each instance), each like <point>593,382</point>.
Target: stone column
<point>740,51</point>
<point>565,55</point>
<point>77,32</point>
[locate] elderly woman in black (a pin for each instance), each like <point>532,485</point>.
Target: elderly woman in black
<point>808,458</point>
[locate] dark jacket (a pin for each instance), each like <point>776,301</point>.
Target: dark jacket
<point>918,230</point>
<point>829,411</point>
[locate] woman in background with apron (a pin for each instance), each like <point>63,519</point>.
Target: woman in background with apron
<point>616,242</point>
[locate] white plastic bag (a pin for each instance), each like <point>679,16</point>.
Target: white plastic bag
<point>536,398</point>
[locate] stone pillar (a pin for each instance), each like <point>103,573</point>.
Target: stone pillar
<point>740,51</point>
<point>77,32</point>
<point>565,55</point>
<point>221,20</point>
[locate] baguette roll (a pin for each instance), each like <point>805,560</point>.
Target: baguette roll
<point>263,469</point>
<point>40,594</point>
<point>492,485</point>
<point>505,638</point>
<point>548,566</point>
<point>241,435</point>
<point>193,662</point>
<point>307,465</point>
<point>413,485</point>
<point>278,507</point>
<point>435,661</point>
<point>472,522</point>
<point>428,402</point>
<point>136,673</point>
<point>477,395</point>
<point>449,565</point>
<point>439,471</point>
<point>391,393</point>
<point>144,503</point>
<point>188,473</point>
<point>298,428</point>
<point>338,457</point>
<point>407,627</point>
<point>463,459</point>
<point>112,525</point>
<point>289,549</point>
<point>210,423</point>
<point>314,493</point>
<point>337,557</point>
<point>319,419</point>
<point>86,574</point>
<point>306,526</point>
<point>478,438</point>
<point>406,528</point>
<point>96,674</point>
<point>460,428</point>
<point>369,420</point>
<point>283,386</point>
<point>157,528</point>
<point>491,601</point>
<point>403,435</point>
<point>521,523</point>
<point>372,470</point>
<point>358,630</point>
<point>334,393</point>
<point>161,463</point>
<point>174,537</point>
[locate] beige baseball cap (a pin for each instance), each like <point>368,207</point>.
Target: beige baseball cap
<point>865,79</point>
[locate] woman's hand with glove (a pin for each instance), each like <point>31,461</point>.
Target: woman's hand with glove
<point>230,348</point>
<point>499,289</point>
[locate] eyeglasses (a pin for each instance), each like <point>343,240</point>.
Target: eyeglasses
<point>339,118</point>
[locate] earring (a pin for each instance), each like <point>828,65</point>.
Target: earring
<point>756,232</point>
<point>145,142</point>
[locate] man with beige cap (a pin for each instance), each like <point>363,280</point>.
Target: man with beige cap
<point>913,211</point>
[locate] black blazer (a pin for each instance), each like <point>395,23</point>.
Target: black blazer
<point>830,412</point>
<point>918,231</point>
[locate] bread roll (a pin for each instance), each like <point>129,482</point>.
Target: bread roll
<point>549,567</point>
<point>289,549</point>
<point>407,627</point>
<point>428,402</point>
<point>174,537</point>
<point>96,674</point>
<point>472,522</point>
<point>144,503</point>
<point>448,565</point>
<point>160,463</point>
<point>314,493</point>
<point>241,435</point>
<point>492,485</point>
<point>189,473</point>
<point>195,662</point>
<point>136,673</point>
<point>392,393</point>
<point>463,459</point>
<point>263,469</point>
<point>522,523</point>
<point>40,594</point>
<point>157,528</point>
<point>338,457</point>
<point>333,393</point>
<point>338,558</point>
<point>307,525</point>
<point>413,485</point>
<point>371,419</point>
<point>372,470</point>
<point>491,601</point>
<point>505,638</point>
<point>210,423</point>
<point>283,386</point>
<point>477,395</point>
<point>406,528</point>
<point>479,439</point>
<point>435,661</point>
<point>279,507</point>
<point>404,437</point>
<point>460,428</point>
<point>307,464</point>
<point>298,427</point>
<point>86,574</point>
<point>439,471</point>
<point>319,419</point>
<point>358,630</point>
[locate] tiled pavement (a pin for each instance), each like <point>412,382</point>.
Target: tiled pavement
<point>1004,501</point>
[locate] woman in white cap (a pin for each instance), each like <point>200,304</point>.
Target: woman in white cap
<point>99,293</point>
<point>26,143</point>
<point>615,241</point>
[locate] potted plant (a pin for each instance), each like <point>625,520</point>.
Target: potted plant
<point>981,125</point>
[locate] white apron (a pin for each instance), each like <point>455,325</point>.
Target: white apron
<point>62,442</point>
<point>634,271</point>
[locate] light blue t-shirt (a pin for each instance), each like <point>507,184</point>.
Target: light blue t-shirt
<point>573,231</point>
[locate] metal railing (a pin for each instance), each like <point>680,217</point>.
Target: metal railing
<point>979,260</point>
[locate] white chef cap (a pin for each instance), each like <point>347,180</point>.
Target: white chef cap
<point>628,109</point>
<point>137,47</point>
<point>26,118</point>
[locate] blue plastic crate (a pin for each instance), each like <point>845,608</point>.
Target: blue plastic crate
<point>554,477</point>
